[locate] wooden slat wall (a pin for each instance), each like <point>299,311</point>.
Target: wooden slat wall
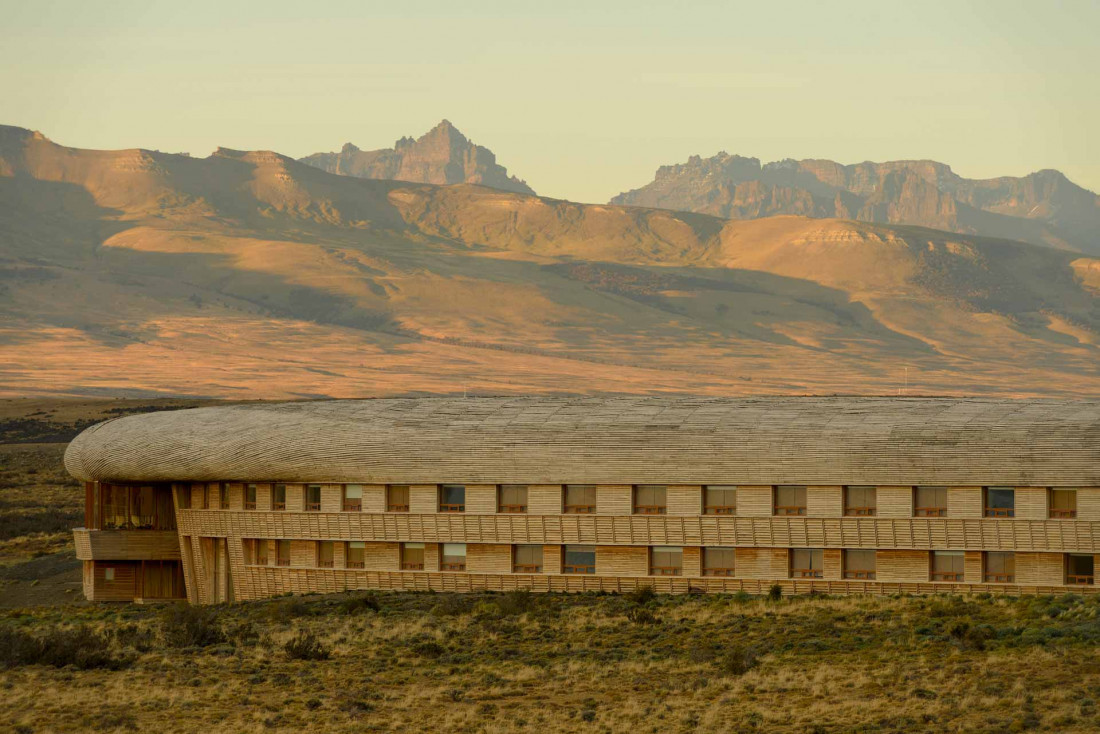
<point>825,501</point>
<point>693,561</point>
<point>894,501</point>
<point>612,560</point>
<point>1031,503</point>
<point>754,501</point>
<point>833,563</point>
<point>332,498</point>
<point>303,553</point>
<point>295,497</point>
<point>374,498</point>
<point>236,495</point>
<point>1088,503</point>
<point>423,498</point>
<point>1039,568</point>
<point>972,567</point>
<point>488,558</point>
<point>432,552</point>
<point>544,499</point>
<point>685,499</point>
<point>127,545</point>
<point>901,565</point>
<point>339,555</point>
<point>551,559</point>
<point>481,499</point>
<point>762,563</point>
<point>263,496</point>
<point>122,588</point>
<point>382,556</point>
<point>614,499</point>
<point>964,502</point>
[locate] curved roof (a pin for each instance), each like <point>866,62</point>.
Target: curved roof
<point>627,440</point>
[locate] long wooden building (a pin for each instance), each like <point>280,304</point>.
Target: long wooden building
<point>838,495</point>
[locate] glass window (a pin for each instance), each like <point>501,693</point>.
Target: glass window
<point>719,499</point>
<point>412,556</point>
<point>353,497</point>
<point>580,498</point>
<point>324,553</point>
<point>1063,504</point>
<point>1000,501</point>
<point>527,559</point>
<point>650,499</point>
<point>282,549</point>
<point>144,507</point>
<point>859,564</point>
<point>512,498</point>
<point>278,497</point>
<point>259,552</point>
<point>250,496</point>
<point>397,498</point>
<point>578,559</point>
<point>357,554</point>
<point>860,501</point>
<point>1079,569</point>
<point>223,496</point>
<point>807,563</point>
<point>718,561</point>
<point>1000,567</point>
<point>454,557</point>
<point>452,498</point>
<point>666,561</point>
<point>182,490</point>
<point>790,499</point>
<point>947,566</point>
<point>930,501</point>
<point>313,497</point>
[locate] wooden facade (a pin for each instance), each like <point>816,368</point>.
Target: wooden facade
<point>914,516</point>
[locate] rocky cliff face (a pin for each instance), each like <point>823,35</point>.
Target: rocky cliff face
<point>443,155</point>
<point>1042,208</point>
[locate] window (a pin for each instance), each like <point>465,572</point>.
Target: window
<point>259,552</point>
<point>580,499</point>
<point>182,490</point>
<point>207,491</point>
<point>108,574</point>
<point>719,499</point>
<point>397,498</point>
<point>999,567</point>
<point>357,554</point>
<point>512,498</point>
<point>143,507</point>
<point>313,498</point>
<point>250,496</point>
<point>790,500</point>
<point>1079,569</point>
<point>578,559</point>
<point>859,564</point>
<point>223,496</point>
<point>1000,501</point>
<point>947,566</point>
<point>278,497</point>
<point>930,502</point>
<point>452,498</point>
<point>282,550</point>
<point>454,556</point>
<point>860,501</point>
<point>324,554</point>
<point>1063,504</point>
<point>807,563</point>
<point>650,499</point>
<point>412,556</point>
<point>353,497</point>
<point>666,561</point>
<point>718,561</point>
<point>527,559</point>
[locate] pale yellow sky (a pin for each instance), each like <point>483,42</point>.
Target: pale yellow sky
<point>582,99</point>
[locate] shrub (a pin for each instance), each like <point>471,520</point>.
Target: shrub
<point>131,635</point>
<point>428,649</point>
<point>738,660</point>
<point>80,647</point>
<point>515,603</point>
<point>641,615</point>
<point>186,625</point>
<point>452,605</point>
<point>641,595</point>
<point>287,610</point>
<point>306,646</point>
<point>775,593</point>
<point>359,604</point>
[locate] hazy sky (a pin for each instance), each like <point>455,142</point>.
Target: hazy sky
<point>582,99</point>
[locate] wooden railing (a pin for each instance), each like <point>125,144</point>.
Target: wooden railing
<point>410,566</point>
<point>451,507</point>
<point>356,564</point>
<point>324,564</point>
<point>282,562</point>
<point>790,510</point>
<point>859,511</point>
<point>527,568</point>
<point>397,508</point>
<point>353,505</point>
<point>1000,512</point>
<point>511,509</point>
<point>579,509</point>
<point>577,568</point>
<point>664,570</point>
<point>866,575</point>
<point>929,512</point>
<point>1078,580</point>
<point>649,509</point>
<point>250,505</point>
<point>452,567</point>
<point>278,506</point>
<point>720,510</point>
<point>806,573</point>
<point>1000,578</point>
<point>718,572</point>
<point>1062,514</point>
<point>313,507</point>
<point>946,576</point>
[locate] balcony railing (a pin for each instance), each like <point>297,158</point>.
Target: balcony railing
<point>356,564</point>
<point>451,507</point>
<point>250,505</point>
<point>353,505</point>
<point>718,572</point>
<point>664,570</point>
<point>1078,580</point>
<point>397,508</point>
<point>946,576</point>
<point>579,509</point>
<point>930,512</point>
<point>577,568</point>
<point>324,564</point>
<point>512,508</point>
<point>1000,578</point>
<point>282,562</point>
<point>527,568</point>
<point>278,505</point>
<point>1000,512</point>
<point>411,566</point>
<point>806,573</point>
<point>862,575</point>
<point>859,511</point>
<point>720,510</point>
<point>1062,514</point>
<point>790,510</point>
<point>313,507</point>
<point>649,509</point>
<point>454,566</point>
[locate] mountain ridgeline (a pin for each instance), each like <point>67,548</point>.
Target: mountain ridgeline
<point>1042,208</point>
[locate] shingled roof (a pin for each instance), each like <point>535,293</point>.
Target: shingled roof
<point>612,440</point>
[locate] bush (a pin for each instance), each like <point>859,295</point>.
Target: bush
<point>186,625</point>
<point>775,593</point>
<point>428,649</point>
<point>738,660</point>
<point>641,595</point>
<point>287,610</point>
<point>360,604</point>
<point>641,615</point>
<point>80,647</point>
<point>306,646</point>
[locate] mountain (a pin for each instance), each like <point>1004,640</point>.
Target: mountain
<point>248,274</point>
<point>442,155</point>
<point>1044,208</point>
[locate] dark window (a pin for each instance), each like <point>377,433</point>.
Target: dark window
<point>718,561</point>
<point>580,499</point>
<point>930,501</point>
<point>412,556</point>
<point>1079,569</point>
<point>353,497</point>
<point>860,501</point>
<point>719,499</point>
<point>527,559</point>
<point>1000,502</point>
<point>259,552</point>
<point>578,559</point>
<point>452,498</point>
<point>512,498</point>
<point>650,499</point>
<point>357,554</point>
<point>313,497</point>
<point>250,496</point>
<point>666,561</point>
<point>397,498</point>
<point>223,496</point>
<point>282,551</point>
<point>807,563</point>
<point>324,553</point>
<point>278,497</point>
<point>790,499</point>
<point>859,564</point>
<point>454,557</point>
<point>183,491</point>
<point>1063,504</point>
<point>948,566</point>
<point>999,567</point>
